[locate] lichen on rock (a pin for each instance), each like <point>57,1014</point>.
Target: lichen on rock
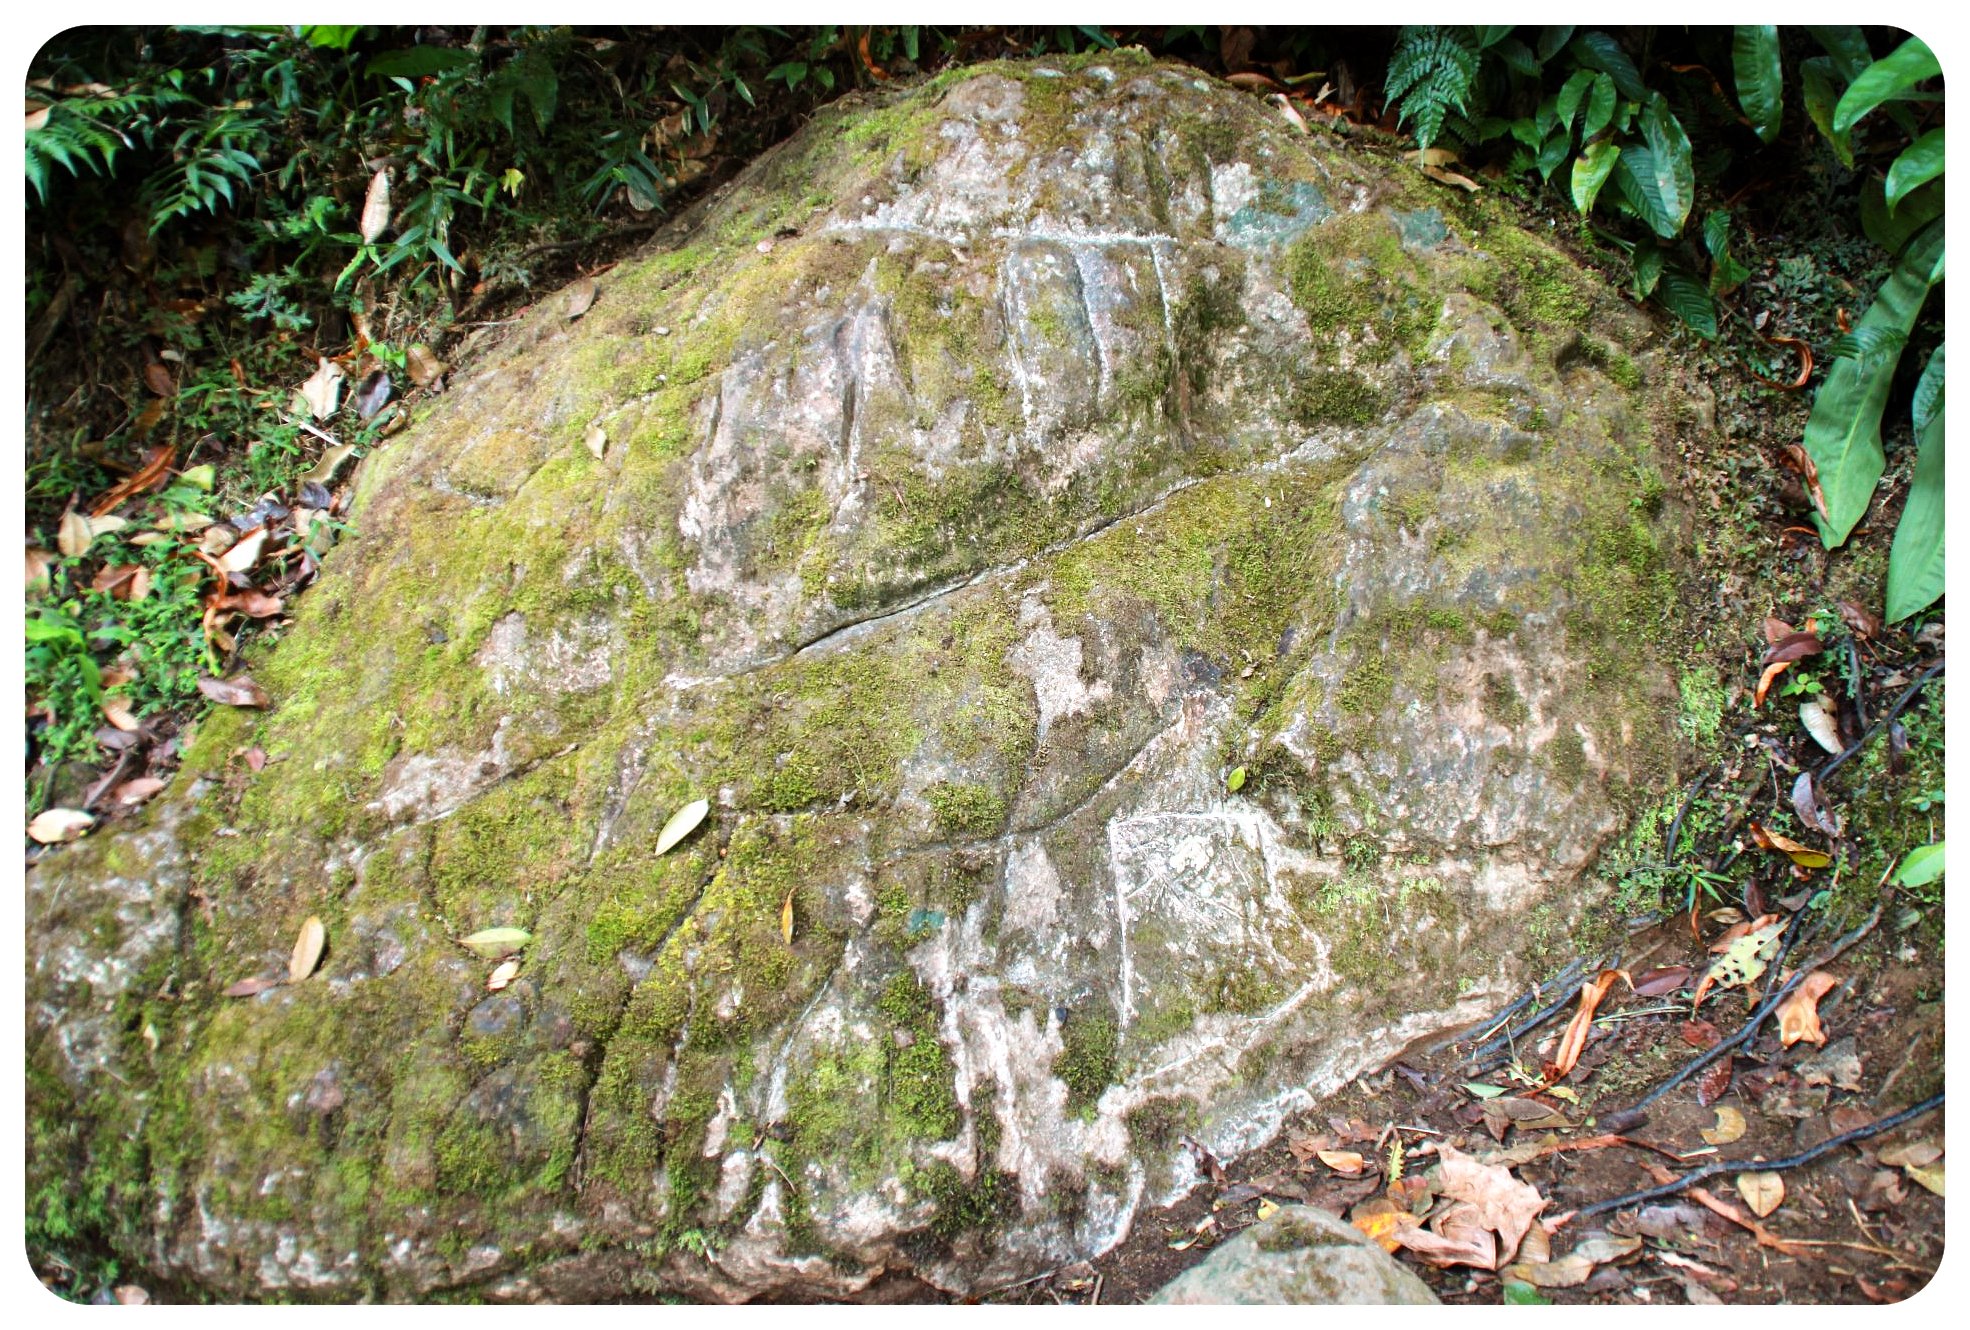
<point>991,470</point>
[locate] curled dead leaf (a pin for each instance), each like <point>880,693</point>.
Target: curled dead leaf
<point>1821,723</point>
<point>597,440</point>
<point>1730,1127</point>
<point>786,917</point>
<point>116,710</point>
<point>238,691</point>
<point>133,792</point>
<point>1342,1161</point>
<point>376,207</point>
<point>372,394</point>
<point>243,555</point>
<point>1771,672</point>
<point>151,475</point>
<point>56,826</point>
<point>1575,1038</point>
<point>1798,1015</point>
<point>157,378</point>
<point>581,295</point>
<point>422,366</point>
<point>1803,855</point>
<point>322,391</point>
<point>503,974</point>
<point>1794,646</point>
<point>39,562</point>
<point>307,950</point>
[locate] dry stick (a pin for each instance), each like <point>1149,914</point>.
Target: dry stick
<point>1880,722</point>
<point>1676,827</point>
<point>1497,1019</point>
<point>1721,1167</point>
<point>1769,1005</point>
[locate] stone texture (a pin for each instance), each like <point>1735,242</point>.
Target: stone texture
<point>1301,1255</point>
<point>990,472</point>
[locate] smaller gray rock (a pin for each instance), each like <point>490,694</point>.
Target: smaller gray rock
<point>1300,1255</point>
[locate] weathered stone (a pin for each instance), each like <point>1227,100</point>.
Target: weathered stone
<point>1077,434</point>
<point>1300,1255</point>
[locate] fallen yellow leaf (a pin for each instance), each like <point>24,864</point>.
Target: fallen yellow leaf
<point>1730,1126</point>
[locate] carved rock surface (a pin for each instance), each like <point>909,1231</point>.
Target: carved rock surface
<point>989,474</point>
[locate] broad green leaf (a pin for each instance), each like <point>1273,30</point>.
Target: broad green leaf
<point>1754,60</point>
<point>1717,232</point>
<point>1929,391</point>
<point>1490,34</point>
<point>1553,152</point>
<point>1920,162</point>
<point>1923,865</point>
<point>1590,171</point>
<point>1915,561</point>
<point>1846,49</point>
<point>1637,176</point>
<point>1843,435</point>
<point>420,61</point>
<point>1689,300</point>
<point>1571,93</point>
<point>1648,269</point>
<point>1891,230</point>
<point>1483,1091</point>
<point>1674,165</point>
<point>1236,780</point>
<point>1600,107</point>
<point>1518,1293</point>
<point>1864,342</point>
<point>1819,84</point>
<point>1598,50</point>
<point>1517,56</point>
<point>493,943</point>
<point>1552,37</point>
<point>682,823</point>
<point>1890,76</point>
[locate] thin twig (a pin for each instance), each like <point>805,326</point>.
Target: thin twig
<point>1676,827</point>
<point>1723,1166</point>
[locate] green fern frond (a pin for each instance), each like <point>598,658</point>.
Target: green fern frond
<point>1432,71</point>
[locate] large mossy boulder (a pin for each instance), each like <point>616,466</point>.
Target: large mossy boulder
<point>1168,607</point>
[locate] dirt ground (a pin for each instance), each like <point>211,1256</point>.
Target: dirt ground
<point>1859,1230</point>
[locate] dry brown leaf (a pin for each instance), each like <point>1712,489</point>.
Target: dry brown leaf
<point>1821,723</point>
<point>422,366</point>
<point>1928,1176</point>
<point>1743,960</point>
<point>597,440</point>
<point>238,691</point>
<point>1662,980</point>
<point>1803,855</point>
<point>1919,1153</point>
<point>1715,1083</point>
<point>1341,1161</point>
<point>1794,646</point>
<point>1576,1266</point>
<point>133,792</point>
<point>56,826</point>
<point>1772,671</point>
<point>72,538</point>
<point>37,115</point>
<point>503,974</point>
<point>1444,177</point>
<point>376,207</point>
<point>322,391</point>
<point>254,604</point>
<point>242,556</point>
<point>1798,1015</point>
<point>786,917</point>
<point>580,296</point>
<point>1761,1191</point>
<point>1776,631</point>
<point>114,580</point>
<point>1730,1127</point>
<point>307,950</point>
<point>1865,623</point>
<point>116,710</point>
<point>39,562</point>
<point>1381,1218</point>
<point>151,475</point>
<point>1812,813</point>
<point>1456,1236</point>
<point>1504,1204</point>
<point>157,378</point>
<point>252,987</point>
<point>1575,1038</point>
